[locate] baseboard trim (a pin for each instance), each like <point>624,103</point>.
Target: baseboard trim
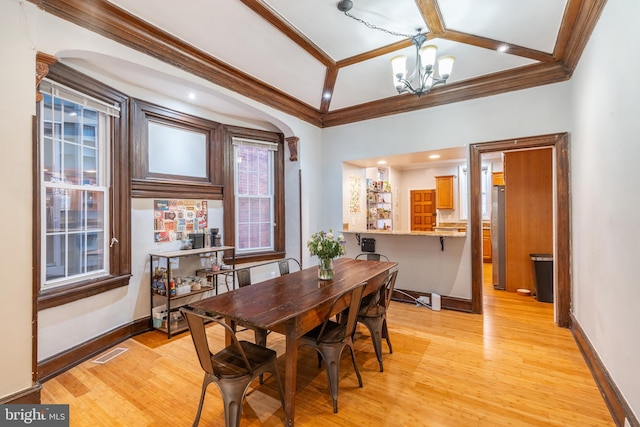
<point>66,360</point>
<point>29,396</point>
<point>618,406</point>
<point>449,303</point>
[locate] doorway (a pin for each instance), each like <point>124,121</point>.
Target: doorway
<point>561,213</point>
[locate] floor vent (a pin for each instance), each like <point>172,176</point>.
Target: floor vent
<point>110,355</point>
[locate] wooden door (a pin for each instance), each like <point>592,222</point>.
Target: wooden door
<point>528,213</point>
<point>423,209</point>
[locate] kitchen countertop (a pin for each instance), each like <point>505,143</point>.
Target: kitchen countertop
<point>436,233</point>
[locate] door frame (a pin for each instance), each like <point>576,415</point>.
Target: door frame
<point>562,217</point>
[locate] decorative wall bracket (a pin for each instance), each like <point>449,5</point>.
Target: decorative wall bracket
<point>293,147</point>
<point>43,60</point>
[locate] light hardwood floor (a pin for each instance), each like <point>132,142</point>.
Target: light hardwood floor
<point>511,366</point>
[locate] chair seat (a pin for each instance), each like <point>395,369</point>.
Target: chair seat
<point>229,364</point>
<point>333,333</point>
<point>375,311</point>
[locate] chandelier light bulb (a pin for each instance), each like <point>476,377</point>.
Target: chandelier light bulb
<point>399,66</point>
<point>428,56</point>
<point>445,65</point>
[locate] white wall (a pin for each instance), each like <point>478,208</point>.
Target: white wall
<point>17,88</point>
<point>605,195</point>
<point>354,220</point>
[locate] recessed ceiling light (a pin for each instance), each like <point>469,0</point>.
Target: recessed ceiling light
<point>503,48</point>
<point>327,95</point>
<point>382,162</point>
<point>434,156</point>
<point>192,96</point>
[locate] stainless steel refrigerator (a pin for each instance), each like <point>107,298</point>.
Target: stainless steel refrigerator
<point>498,249</point>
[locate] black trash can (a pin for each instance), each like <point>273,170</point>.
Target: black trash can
<point>543,266</point>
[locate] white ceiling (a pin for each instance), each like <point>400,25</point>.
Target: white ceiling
<point>233,32</point>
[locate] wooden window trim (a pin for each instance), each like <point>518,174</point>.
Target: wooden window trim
<point>120,197</point>
<point>229,237</point>
<point>149,185</point>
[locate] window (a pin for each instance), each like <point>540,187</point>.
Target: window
<point>73,185</point>
<point>254,193</point>
<point>485,185</point>
<point>175,154</point>
<point>82,162</point>
<point>254,219</point>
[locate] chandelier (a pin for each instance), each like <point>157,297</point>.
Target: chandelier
<point>424,76</point>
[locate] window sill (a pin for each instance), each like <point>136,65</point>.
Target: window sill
<point>70,293</point>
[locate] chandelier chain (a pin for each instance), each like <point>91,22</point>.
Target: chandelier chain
<point>374,27</point>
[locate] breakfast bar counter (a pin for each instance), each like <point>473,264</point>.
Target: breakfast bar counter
<point>431,261</point>
<point>441,232</point>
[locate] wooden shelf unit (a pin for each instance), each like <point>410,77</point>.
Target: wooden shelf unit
<point>174,302</point>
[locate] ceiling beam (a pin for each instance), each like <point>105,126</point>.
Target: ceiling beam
<point>460,37</point>
<point>432,16</point>
<point>493,84</point>
<point>584,23</point>
<point>288,30</point>
<point>106,19</point>
<point>327,91</point>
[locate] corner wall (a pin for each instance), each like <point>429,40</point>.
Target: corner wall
<point>18,89</point>
<point>605,196</point>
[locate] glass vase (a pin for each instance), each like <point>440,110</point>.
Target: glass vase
<point>325,268</point>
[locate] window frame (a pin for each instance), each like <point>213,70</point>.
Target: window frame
<point>119,213</point>
<point>148,184</point>
<point>271,152</point>
<point>485,188</point>
<point>229,202</point>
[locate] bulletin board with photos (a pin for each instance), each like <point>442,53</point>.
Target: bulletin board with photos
<point>174,219</point>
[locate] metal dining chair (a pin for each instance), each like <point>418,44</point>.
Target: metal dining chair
<point>283,265</point>
<point>330,339</point>
<point>243,276</point>
<point>372,256</point>
<point>231,368</point>
<point>373,315</point>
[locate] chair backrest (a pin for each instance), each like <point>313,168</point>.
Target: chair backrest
<point>387,289</point>
<point>352,313</point>
<point>196,322</point>
<point>372,256</point>
<point>244,277</point>
<point>283,265</point>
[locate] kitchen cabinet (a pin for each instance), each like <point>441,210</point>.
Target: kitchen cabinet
<point>486,245</point>
<point>497,178</point>
<point>170,290</point>
<point>444,192</point>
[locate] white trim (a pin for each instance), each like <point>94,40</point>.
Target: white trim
<point>60,91</point>
<point>256,143</point>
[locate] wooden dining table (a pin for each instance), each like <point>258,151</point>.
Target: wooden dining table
<point>293,304</point>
